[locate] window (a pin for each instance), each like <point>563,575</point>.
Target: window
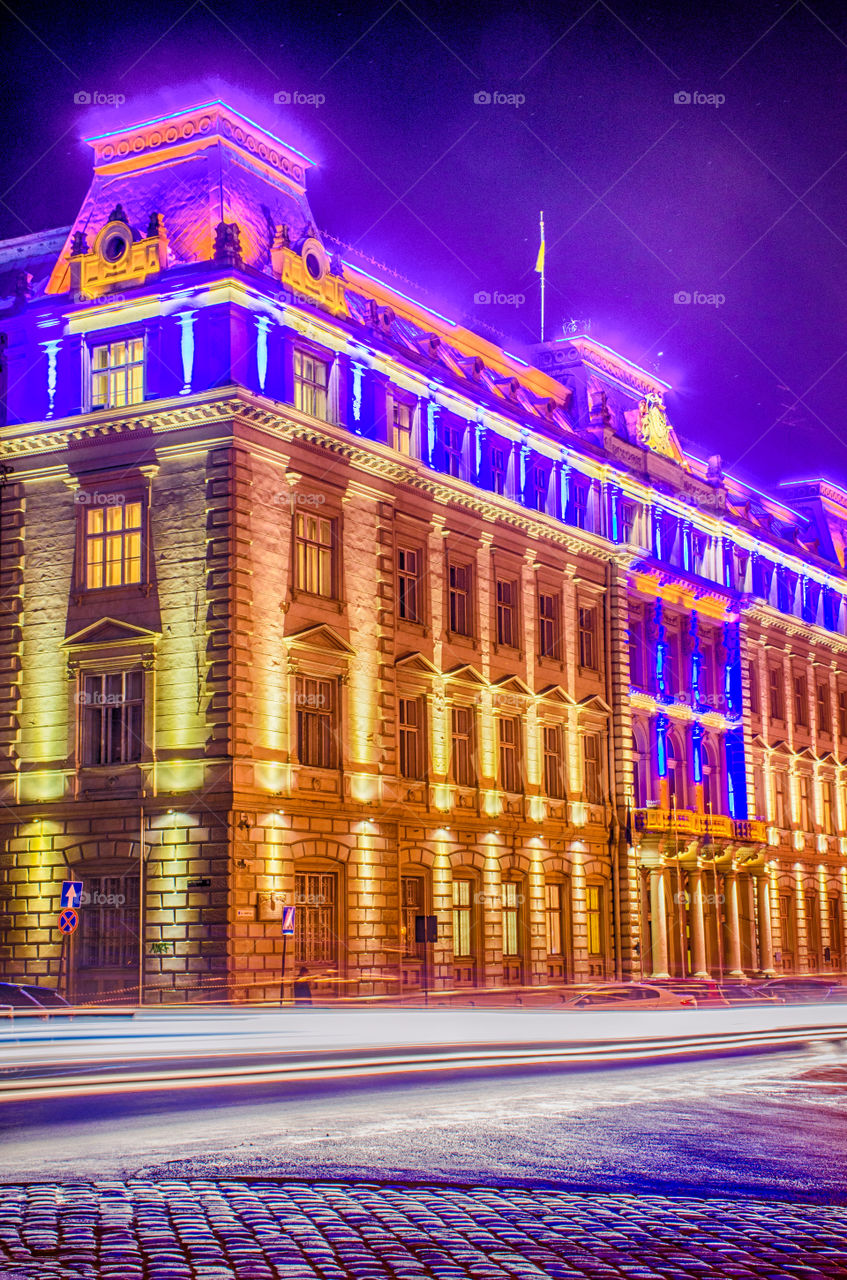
<point>801,701</point>
<point>781,805</point>
<point>824,717</point>
<point>555,919</point>
<point>408,583</point>
<point>108,932</point>
<point>755,705</point>
<point>507,620</point>
<point>548,626</point>
<point>553,762</point>
<point>453,441</point>
<point>462,769</point>
<point>117,374</point>
<point>113,545</point>
<point>707,669</point>
<point>460,599</point>
<point>315,933</point>
<point>402,428</point>
<point>588,638</point>
<point>578,506</point>
<point>410,718</point>
<point>813,929</point>
<point>842,715</point>
<point>314,548</point>
<point>775,694</point>
<point>828,807</point>
<point>411,905</point>
<point>112,707</point>
<point>629,518</point>
<point>786,928</point>
<point>311,378</point>
<point>804,787</point>
<point>540,484</point>
<point>509,911</point>
<point>498,470</point>
<point>592,778</point>
<point>316,723</point>
<point>508,736</point>
<point>462,918</point>
<point>676,773</point>
<point>594,918</point>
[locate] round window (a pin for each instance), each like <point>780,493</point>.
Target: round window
<point>314,266</point>
<point>114,247</point>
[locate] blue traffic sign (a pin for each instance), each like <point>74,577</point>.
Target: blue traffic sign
<point>68,920</point>
<point>71,893</point>
<point>287,922</point>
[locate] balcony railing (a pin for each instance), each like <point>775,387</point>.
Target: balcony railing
<point>685,822</point>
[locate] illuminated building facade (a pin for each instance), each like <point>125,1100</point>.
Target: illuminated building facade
<point>314,597</point>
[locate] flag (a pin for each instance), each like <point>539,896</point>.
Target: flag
<point>539,261</point>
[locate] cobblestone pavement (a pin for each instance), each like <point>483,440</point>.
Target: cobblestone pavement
<point>261,1230</point>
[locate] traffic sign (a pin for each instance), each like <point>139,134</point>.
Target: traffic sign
<point>68,920</point>
<point>71,893</point>
<point>287,922</point>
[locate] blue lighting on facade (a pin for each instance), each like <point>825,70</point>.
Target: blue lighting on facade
<point>186,348</point>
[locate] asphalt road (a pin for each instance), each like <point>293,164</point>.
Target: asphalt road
<point>774,1127</point>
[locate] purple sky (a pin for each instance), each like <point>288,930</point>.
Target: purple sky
<point>643,197</point>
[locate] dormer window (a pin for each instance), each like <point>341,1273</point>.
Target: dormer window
<point>113,544</point>
<point>402,428</point>
<point>117,374</point>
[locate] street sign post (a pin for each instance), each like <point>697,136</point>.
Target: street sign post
<point>71,893</point>
<point>287,932</point>
<point>68,920</point>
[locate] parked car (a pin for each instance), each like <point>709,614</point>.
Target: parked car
<point>25,996</point>
<point>630,995</point>
<point>801,990</point>
<point>740,994</point>
<point>704,990</point>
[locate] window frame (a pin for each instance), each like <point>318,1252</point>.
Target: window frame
<point>554,654</point>
<point>411,733</point>
<point>300,383</point>
<point>457,593</point>
<point>588,649</point>
<point>87,711</point>
<point>510,754</point>
<point>468,753</point>
<point>315,726</point>
<point>507,610</point>
<point>91,347</point>
<point>134,497</point>
<point>415,577</point>
<point>304,572</point>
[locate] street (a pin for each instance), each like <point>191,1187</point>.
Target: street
<point>725,1168</point>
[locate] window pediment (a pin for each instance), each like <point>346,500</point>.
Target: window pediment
<point>322,638</point>
<point>110,631</point>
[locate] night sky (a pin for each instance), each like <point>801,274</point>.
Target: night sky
<point>644,197</point>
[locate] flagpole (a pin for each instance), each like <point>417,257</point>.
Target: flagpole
<point>543,270</point>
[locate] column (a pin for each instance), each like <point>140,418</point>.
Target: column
<point>763,900</point>
<point>658,924</point>
<point>733,929</point>
<point>698,931</point>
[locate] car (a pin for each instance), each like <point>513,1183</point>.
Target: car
<point>738,993</point>
<point>629,995</point>
<point>801,990</point>
<point>25,996</point>
<point>705,991</point>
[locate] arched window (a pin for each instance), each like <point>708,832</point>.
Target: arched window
<point>677,790</point>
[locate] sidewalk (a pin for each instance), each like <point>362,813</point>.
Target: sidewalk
<point>332,1230</point>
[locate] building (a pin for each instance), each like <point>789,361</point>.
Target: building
<point>313,597</point>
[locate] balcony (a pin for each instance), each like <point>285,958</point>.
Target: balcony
<point>684,822</point>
